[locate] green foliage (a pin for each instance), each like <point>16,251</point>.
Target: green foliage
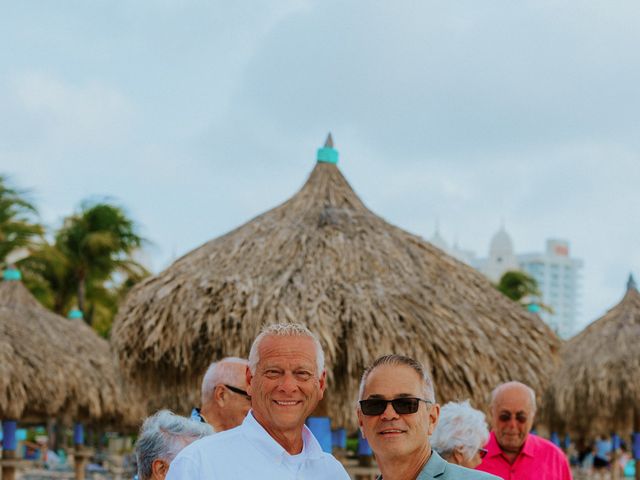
<point>517,285</point>
<point>18,226</point>
<point>88,264</point>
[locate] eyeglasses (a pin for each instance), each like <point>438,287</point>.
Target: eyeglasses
<point>402,406</point>
<point>520,417</point>
<point>482,452</point>
<point>239,391</point>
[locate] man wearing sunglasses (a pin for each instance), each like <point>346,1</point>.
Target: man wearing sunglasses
<point>286,380</point>
<point>512,452</point>
<point>397,414</point>
<point>224,398</point>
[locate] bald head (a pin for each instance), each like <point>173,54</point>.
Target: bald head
<point>513,407</point>
<point>514,389</point>
<point>224,400</point>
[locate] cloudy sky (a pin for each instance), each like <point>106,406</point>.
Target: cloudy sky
<point>198,115</point>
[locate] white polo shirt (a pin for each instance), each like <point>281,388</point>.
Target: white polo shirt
<point>249,452</point>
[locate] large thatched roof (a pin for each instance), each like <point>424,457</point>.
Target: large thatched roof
<point>51,366</point>
<point>363,285</point>
<point>598,384</point>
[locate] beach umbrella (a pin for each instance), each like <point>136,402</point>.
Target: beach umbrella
<point>597,388</point>
<point>363,285</point>
<point>54,367</point>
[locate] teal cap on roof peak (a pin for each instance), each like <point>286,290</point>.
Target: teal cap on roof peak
<point>11,275</point>
<point>328,154</point>
<point>75,314</point>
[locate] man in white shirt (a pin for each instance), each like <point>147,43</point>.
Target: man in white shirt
<point>286,381</point>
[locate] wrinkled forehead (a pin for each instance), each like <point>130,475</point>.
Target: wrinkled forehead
<point>391,381</point>
<point>289,350</point>
<point>513,399</point>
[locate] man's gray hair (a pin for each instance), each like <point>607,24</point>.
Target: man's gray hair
<point>219,373</point>
<point>285,330</point>
<point>460,427</point>
<point>396,360</point>
<point>530,391</point>
<point>162,436</point>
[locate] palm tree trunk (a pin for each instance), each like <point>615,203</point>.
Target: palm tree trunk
<point>82,292</point>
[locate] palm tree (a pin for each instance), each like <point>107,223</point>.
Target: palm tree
<point>18,228</point>
<point>98,243</point>
<point>517,285</point>
<point>48,274</point>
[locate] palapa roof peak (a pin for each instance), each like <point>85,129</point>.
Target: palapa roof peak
<point>75,314</point>
<point>327,153</point>
<point>364,286</point>
<point>52,367</point>
<point>631,283</point>
<point>11,274</point>
<point>597,387</point>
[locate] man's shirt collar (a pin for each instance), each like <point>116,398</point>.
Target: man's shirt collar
<point>493,448</point>
<point>264,442</point>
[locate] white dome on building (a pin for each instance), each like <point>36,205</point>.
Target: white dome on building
<point>501,244</point>
<point>502,257</point>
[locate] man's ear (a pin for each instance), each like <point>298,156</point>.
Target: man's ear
<point>219,394</point>
<point>323,383</point>
<point>458,457</point>
<point>359,413</point>
<point>159,469</point>
<point>249,377</point>
<point>434,415</point>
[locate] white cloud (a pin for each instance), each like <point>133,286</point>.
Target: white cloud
<point>70,115</point>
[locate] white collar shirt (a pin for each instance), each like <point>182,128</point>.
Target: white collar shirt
<point>249,452</point>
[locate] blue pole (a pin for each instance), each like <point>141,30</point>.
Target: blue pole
<point>9,445</point>
<point>9,440</point>
<point>321,429</point>
<point>615,442</point>
<point>78,434</point>
<point>339,438</point>
<point>364,450</point>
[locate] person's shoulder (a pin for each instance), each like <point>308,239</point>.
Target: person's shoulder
<point>547,445</point>
<point>332,464</point>
<point>463,473</point>
<point>212,443</point>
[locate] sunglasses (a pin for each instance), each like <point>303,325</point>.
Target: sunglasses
<point>402,406</point>
<point>506,417</point>
<point>239,391</point>
<point>482,452</point>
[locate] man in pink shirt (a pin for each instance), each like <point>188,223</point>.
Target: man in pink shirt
<point>513,453</point>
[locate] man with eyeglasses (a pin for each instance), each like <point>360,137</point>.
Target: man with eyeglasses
<point>512,452</point>
<point>286,380</point>
<point>224,398</point>
<point>397,414</point>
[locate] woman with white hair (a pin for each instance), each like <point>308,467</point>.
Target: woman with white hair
<point>460,434</point>
<point>162,436</point>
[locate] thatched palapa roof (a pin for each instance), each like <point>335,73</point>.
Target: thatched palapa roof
<point>597,388</point>
<point>51,366</point>
<point>363,285</point>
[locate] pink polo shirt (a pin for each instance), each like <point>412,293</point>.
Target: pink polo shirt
<point>539,459</point>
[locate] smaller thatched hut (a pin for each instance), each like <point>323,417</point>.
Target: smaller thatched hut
<point>54,367</point>
<point>597,389</point>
